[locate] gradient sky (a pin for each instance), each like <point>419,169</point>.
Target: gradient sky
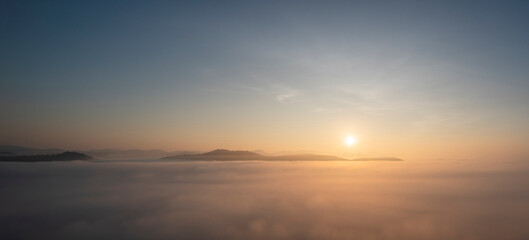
<point>407,78</point>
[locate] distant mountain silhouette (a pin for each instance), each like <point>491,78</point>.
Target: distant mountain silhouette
<point>23,154</point>
<point>113,154</point>
<point>65,156</point>
<point>227,155</point>
<point>220,155</point>
<point>224,152</point>
<point>18,150</point>
<point>103,154</point>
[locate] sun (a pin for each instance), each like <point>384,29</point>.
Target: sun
<point>350,140</point>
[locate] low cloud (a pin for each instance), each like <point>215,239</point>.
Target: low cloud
<point>263,200</point>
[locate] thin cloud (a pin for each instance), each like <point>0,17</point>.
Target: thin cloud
<point>281,94</point>
<point>287,95</point>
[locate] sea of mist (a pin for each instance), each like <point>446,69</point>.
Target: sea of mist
<point>430,199</point>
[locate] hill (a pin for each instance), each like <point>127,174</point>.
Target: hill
<point>65,156</point>
<point>227,155</point>
<point>117,154</point>
<point>102,154</point>
<point>220,155</point>
<point>18,150</point>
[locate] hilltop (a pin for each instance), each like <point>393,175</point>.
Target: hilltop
<point>19,151</point>
<point>23,154</point>
<point>102,154</point>
<point>220,155</point>
<point>65,156</point>
<point>228,155</point>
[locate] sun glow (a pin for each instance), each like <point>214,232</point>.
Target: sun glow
<point>350,140</point>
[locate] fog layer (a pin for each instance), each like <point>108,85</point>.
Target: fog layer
<point>265,200</point>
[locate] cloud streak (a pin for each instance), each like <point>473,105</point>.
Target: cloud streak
<point>280,93</point>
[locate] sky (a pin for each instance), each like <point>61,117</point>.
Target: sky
<point>410,79</point>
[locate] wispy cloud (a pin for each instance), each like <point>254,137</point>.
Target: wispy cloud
<point>287,95</point>
<point>280,93</point>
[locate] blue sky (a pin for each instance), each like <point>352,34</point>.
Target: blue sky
<point>445,76</point>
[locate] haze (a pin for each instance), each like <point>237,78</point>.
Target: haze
<point>265,200</point>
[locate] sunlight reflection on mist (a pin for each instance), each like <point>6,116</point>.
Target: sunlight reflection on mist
<point>265,200</point>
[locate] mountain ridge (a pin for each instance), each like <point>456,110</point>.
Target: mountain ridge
<point>11,151</point>
<point>229,155</point>
<point>102,154</point>
<point>65,156</point>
